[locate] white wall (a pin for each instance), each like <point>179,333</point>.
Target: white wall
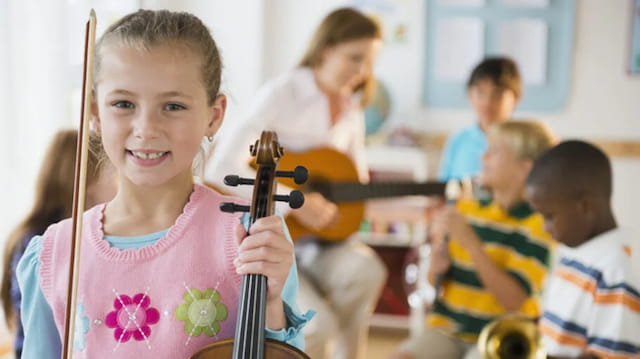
<point>32,74</point>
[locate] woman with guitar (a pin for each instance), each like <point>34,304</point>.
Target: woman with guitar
<point>162,266</point>
<point>320,104</point>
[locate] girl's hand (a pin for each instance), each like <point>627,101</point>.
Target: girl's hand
<point>316,213</point>
<point>265,251</point>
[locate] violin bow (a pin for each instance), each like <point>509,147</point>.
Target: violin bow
<point>79,187</point>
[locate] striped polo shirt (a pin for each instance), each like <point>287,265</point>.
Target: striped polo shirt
<point>592,300</point>
<point>516,242</point>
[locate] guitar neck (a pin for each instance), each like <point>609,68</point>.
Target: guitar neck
<point>339,192</point>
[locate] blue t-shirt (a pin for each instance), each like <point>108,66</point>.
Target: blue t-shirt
<point>461,157</point>
<point>42,339</point>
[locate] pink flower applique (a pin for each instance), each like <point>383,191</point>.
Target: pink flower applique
<point>132,317</point>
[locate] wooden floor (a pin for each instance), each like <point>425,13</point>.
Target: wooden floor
<point>383,341</point>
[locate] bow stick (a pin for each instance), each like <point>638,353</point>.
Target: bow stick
<point>79,187</point>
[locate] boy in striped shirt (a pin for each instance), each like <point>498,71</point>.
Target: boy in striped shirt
<point>498,253</point>
<point>591,304</point>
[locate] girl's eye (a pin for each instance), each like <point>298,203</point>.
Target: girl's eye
<point>123,104</point>
<point>173,107</point>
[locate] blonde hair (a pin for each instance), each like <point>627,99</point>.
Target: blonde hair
<point>343,25</point>
<point>53,198</point>
<point>528,139</point>
<point>146,29</point>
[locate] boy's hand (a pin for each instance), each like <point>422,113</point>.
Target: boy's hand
<point>265,251</point>
<point>451,222</point>
<point>440,259</point>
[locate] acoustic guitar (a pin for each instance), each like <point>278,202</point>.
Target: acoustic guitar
<point>333,174</point>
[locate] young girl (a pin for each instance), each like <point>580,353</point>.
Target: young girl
<point>160,264</point>
<point>52,203</point>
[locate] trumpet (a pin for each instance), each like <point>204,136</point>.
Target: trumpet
<point>512,336</point>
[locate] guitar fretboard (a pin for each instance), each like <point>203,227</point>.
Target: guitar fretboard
<point>339,192</point>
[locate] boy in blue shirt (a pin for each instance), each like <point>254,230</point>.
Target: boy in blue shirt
<point>493,89</point>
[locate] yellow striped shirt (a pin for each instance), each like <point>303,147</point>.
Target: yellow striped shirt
<point>516,242</point>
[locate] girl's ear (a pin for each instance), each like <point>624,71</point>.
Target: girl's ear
<point>217,111</point>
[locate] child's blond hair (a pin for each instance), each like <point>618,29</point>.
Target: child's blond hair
<point>146,29</point>
<point>527,139</point>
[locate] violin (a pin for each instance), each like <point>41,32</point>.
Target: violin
<point>249,341</point>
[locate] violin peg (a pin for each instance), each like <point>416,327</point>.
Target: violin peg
<point>234,180</point>
<point>295,199</point>
<point>299,174</point>
<point>230,207</point>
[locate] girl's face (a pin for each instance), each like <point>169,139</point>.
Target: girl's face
<point>152,112</point>
<point>347,64</point>
<point>501,167</point>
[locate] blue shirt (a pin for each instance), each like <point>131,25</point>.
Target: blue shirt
<point>41,334</point>
<point>461,157</point>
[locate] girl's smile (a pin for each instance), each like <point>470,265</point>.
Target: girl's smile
<point>147,158</point>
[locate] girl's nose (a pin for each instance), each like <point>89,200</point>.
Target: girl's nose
<point>146,125</point>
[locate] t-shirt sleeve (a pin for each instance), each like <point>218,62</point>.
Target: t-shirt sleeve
<point>587,310</point>
<point>446,159</point>
<point>41,337</point>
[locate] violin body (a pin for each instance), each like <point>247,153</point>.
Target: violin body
<point>273,350</point>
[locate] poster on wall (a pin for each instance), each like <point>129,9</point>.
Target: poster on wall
<point>634,53</point>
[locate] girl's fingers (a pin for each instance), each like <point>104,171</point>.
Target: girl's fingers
<point>273,271</point>
<point>271,223</point>
<point>266,239</point>
<point>265,254</point>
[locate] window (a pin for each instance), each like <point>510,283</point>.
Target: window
<point>537,34</point>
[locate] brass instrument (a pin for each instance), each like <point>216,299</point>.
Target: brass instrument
<point>511,336</point>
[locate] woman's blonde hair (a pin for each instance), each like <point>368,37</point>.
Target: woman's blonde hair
<point>528,139</point>
<point>146,29</point>
<point>343,25</point>
<point>53,198</point>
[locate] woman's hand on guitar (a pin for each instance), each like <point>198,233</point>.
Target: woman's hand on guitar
<point>265,251</point>
<point>317,212</point>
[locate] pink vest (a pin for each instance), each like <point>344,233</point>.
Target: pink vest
<point>162,301</point>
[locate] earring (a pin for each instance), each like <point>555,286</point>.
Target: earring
<point>210,138</point>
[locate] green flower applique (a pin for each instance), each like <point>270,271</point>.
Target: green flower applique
<point>201,312</point>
